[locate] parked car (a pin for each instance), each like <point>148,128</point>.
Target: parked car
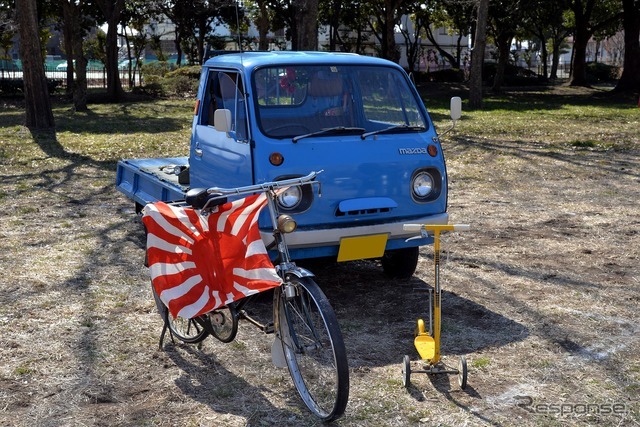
<point>92,65</point>
<point>8,65</point>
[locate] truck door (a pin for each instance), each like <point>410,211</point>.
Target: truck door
<point>221,158</point>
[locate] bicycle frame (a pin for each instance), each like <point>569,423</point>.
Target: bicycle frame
<point>307,340</point>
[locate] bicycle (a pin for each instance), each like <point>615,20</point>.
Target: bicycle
<point>428,343</point>
<point>308,340</point>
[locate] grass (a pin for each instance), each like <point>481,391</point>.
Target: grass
<point>548,179</point>
<point>559,117</point>
<point>481,362</point>
<point>555,117</point>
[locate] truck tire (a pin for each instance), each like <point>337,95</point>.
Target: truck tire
<point>400,263</point>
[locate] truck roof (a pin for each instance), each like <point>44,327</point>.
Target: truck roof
<point>250,60</point>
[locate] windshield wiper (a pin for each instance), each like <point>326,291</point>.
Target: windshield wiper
<point>331,131</point>
<point>403,127</point>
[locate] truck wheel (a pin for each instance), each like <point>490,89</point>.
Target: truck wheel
<point>400,263</point>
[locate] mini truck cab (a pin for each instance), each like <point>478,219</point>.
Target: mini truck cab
<point>268,116</point>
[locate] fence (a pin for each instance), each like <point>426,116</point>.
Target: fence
<point>96,77</point>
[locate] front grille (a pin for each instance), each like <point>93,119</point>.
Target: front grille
<point>340,213</point>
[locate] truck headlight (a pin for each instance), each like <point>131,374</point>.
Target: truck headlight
<point>422,185</point>
<point>290,198</point>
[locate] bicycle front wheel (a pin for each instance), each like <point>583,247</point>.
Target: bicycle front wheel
<point>313,347</point>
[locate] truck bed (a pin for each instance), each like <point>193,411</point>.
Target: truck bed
<point>151,180</point>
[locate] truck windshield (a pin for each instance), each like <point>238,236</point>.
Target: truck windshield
<point>306,99</point>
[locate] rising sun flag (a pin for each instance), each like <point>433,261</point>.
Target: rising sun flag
<point>199,263</point>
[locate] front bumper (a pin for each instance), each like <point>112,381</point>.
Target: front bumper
<point>331,236</point>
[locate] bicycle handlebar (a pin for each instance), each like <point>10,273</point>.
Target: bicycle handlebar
<point>434,227</point>
<point>265,186</point>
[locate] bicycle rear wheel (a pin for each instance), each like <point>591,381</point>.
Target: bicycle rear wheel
<point>313,347</point>
<point>190,331</point>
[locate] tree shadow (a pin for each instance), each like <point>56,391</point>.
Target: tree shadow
<point>128,120</point>
<point>376,309</point>
<point>517,149</point>
<point>204,379</point>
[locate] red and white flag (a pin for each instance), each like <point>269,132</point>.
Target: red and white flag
<point>199,263</point>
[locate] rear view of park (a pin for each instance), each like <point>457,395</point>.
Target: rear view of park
<point>541,296</point>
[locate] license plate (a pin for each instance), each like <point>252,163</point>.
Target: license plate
<point>362,247</point>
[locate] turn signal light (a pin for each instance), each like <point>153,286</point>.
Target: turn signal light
<point>276,159</point>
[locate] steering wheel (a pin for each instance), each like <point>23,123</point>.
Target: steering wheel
<point>303,128</point>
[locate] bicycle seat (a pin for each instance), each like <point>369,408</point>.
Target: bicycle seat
<point>198,198</point>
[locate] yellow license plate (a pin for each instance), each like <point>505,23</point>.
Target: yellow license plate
<point>362,247</point>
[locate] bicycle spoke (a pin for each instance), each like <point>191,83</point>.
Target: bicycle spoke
<point>314,350</point>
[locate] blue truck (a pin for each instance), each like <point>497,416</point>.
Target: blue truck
<point>268,116</point>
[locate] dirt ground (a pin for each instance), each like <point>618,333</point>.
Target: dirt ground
<point>542,296</point>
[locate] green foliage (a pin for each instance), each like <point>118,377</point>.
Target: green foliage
<point>179,85</point>
<point>217,42</point>
<point>155,43</point>
<point>446,75</point>
<point>156,69</point>
<point>513,75</point>
<point>192,72</point>
<point>481,362</point>
<point>7,33</point>
<point>15,86</point>
<point>95,47</point>
<point>602,73</point>
<point>164,79</point>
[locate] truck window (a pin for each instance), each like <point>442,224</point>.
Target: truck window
<point>226,90</point>
<point>279,86</point>
<point>386,98</point>
<point>296,100</point>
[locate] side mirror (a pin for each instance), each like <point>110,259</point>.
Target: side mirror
<point>456,108</point>
<point>222,120</point>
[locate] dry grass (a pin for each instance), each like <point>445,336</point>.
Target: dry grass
<point>542,296</point>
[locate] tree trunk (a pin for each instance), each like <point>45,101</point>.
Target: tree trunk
<point>503,43</point>
<point>36,93</point>
<point>556,42</point>
<point>203,25</point>
<point>477,56</point>
<point>263,25</point>
<point>555,61</point>
<point>545,56</point>
<point>389,46</point>
<point>581,35</point>
<point>178,45</point>
<point>630,78</point>
<point>455,63</point>
<point>80,86</point>
<point>579,64</point>
<point>112,10</point>
<point>307,25</point>
<point>334,24</point>
<point>67,37</point>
